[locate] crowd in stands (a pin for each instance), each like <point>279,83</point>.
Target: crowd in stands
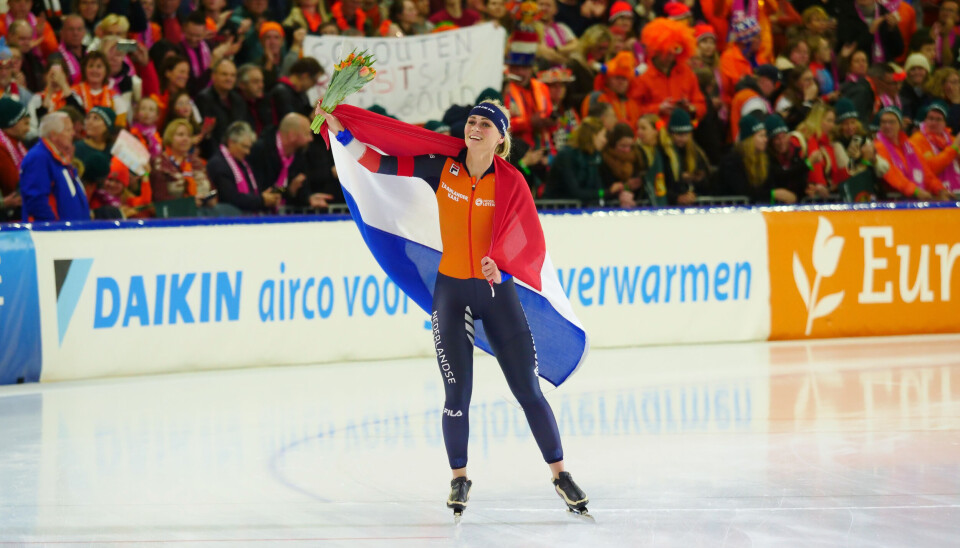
<point>614,103</point>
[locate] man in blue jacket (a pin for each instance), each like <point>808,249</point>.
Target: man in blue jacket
<point>49,184</point>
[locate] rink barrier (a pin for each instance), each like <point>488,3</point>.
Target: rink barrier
<point>176,295</point>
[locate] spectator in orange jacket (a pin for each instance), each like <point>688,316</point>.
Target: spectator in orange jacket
<point>613,83</point>
<point>909,174</point>
<point>937,147</point>
<point>741,55</point>
<point>527,99</point>
<point>668,82</point>
<point>753,96</point>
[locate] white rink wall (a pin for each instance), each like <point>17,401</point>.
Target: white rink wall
<point>198,295</point>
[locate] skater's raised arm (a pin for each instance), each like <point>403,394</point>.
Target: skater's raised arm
<point>428,167</point>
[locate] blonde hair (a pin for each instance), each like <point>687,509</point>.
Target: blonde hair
<point>114,19</point>
<point>689,158</point>
<point>503,149</point>
<point>812,12</point>
<point>838,130</point>
<point>934,85</point>
<point>582,137</point>
<point>755,161</point>
<point>814,42</point>
<point>591,37</point>
<point>812,125</point>
<point>172,128</point>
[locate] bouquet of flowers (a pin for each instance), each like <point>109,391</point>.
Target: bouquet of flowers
<point>349,76</point>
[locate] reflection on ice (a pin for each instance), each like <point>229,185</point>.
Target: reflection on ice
<point>837,442</point>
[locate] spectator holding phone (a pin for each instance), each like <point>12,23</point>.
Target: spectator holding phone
<point>855,151</point>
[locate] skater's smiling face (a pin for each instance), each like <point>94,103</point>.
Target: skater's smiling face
<point>481,135</point>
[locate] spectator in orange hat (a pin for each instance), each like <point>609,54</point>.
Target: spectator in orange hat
<point>248,18</point>
<point>114,198</point>
<point>275,60</point>
<point>614,83</point>
<point>669,82</point>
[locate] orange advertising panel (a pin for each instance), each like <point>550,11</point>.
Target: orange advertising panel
<point>867,272</point>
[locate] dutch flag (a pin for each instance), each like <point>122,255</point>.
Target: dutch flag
<point>398,218</point>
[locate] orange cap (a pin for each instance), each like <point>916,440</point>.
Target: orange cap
<point>269,26</point>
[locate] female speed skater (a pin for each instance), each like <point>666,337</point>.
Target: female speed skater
<point>470,286</point>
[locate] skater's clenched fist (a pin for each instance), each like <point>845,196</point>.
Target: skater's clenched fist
<point>490,270</point>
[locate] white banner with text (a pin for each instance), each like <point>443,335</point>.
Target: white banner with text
<point>420,77</point>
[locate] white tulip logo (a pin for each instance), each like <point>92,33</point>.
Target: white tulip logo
<point>826,256</point>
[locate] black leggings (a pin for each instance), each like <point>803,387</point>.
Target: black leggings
<point>456,303</point>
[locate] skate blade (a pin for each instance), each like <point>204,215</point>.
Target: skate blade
<point>457,516</point>
<point>582,515</point>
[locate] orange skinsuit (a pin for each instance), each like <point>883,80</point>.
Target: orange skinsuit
<point>897,180</point>
<point>466,205</point>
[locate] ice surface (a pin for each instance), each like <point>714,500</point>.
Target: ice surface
<point>832,443</point>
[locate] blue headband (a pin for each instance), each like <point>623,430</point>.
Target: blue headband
<point>494,114</point>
